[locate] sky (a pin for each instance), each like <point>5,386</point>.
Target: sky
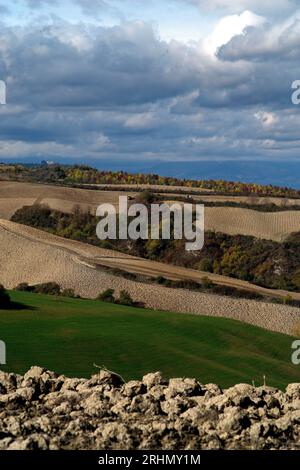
<point>169,80</point>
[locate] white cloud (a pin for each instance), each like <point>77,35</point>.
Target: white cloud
<point>140,121</point>
<point>228,27</point>
<point>80,91</point>
<point>101,141</point>
<point>279,39</point>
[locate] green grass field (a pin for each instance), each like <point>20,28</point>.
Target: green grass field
<point>69,336</point>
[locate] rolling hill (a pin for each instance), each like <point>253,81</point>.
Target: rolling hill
<point>69,336</point>
<point>33,256</point>
<point>274,226</point>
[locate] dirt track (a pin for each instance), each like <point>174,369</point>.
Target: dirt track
<point>29,255</point>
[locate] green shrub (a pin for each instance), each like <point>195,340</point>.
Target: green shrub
<point>107,296</point>
<point>24,287</point>
<point>125,299</point>
<point>36,216</point>
<point>146,197</point>
<point>48,288</point>
<point>183,284</point>
<point>152,248</point>
<point>207,283</point>
<point>160,280</point>
<point>69,293</point>
<point>287,299</point>
<point>205,265</point>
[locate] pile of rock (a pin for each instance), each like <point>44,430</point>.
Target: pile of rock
<point>44,410</point>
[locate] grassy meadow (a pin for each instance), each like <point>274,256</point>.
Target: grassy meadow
<point>70,335</point>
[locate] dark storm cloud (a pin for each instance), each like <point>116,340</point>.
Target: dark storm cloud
<point>80,92</point>
<point>69,66</point>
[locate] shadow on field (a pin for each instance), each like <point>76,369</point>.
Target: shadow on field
<point>16,306</point>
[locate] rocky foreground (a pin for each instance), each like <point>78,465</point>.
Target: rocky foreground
<point>42,410</point>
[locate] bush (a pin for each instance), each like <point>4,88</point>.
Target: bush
<point>24,287</point>
<point>107,296</point>
<point>207,283</point>
<point>4,297</point>
<point>236,292</point>
<point>36,216</point>
<point>160,280</point>
<point>125,299</point>
<point>288,299</point>
<point>146,197</point>
<point>205,265</point>
<point>183,284</point>
<point>48,288</point>
<point>69,293</point>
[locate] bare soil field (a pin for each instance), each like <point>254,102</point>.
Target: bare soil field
<point>276,226</point>
<point>15,195</point>
<point>251,200</point>
<point>204,194</point>
<point>231,220</point>
<point>32,256</point>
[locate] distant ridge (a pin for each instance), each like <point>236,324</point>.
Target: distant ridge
<point>264,172</point>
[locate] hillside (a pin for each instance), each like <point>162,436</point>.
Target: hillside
<point>71,335</point>
<point>275,226</point>
<point>83,174</point>
<point>32,256</point>
<point>269,226</point>
<point>15,195</point>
